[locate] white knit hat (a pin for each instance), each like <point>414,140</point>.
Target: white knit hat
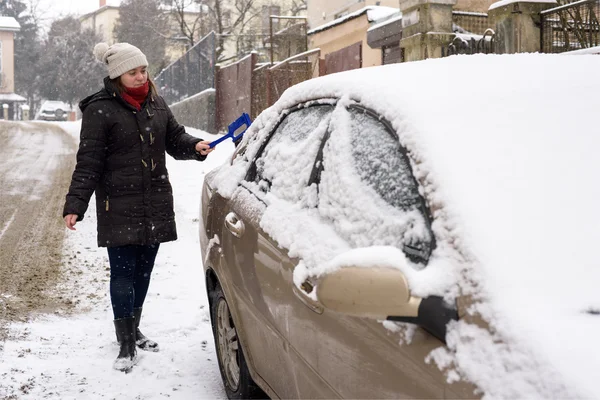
<point>120,58</point>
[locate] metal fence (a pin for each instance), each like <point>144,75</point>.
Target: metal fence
<point>570,27</point>
<point>469,22</point>
<point>191,74</point>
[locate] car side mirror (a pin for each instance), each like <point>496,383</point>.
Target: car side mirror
<point>382,293</point>
<point>367,292</point>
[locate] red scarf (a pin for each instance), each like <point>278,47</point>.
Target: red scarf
<point>136,96</point>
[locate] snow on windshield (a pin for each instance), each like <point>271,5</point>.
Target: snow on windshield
<point>510,176</point>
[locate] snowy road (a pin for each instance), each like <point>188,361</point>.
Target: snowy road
<point>68,353</point>
<point>36,165</point>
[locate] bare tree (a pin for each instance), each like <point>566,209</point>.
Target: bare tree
<point>190,18</point>
<point>234,21</point>
<point>227,18</point>
<point>298,7</point>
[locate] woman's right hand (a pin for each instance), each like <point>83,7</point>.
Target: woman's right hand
<point>70,221</point>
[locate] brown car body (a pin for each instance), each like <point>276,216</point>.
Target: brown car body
<point>294,346</point>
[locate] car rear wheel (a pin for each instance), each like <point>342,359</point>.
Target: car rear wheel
<point>232,363</point>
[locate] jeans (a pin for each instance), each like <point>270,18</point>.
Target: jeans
<point>130,270</point>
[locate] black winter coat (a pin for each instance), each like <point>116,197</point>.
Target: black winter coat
<point>121,157</point>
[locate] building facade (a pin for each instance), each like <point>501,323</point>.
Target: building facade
<point>10,102</point>
<point>8,27</point>
<point>103,20</point>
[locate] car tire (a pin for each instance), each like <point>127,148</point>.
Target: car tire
<point>232,363</point>
<point>59,113</point>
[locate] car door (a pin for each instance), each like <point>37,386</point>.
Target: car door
<point>359,357</point>
<point>261,271</point>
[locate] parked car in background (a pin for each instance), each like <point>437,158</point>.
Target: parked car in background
<point>53,110</point>
<point>419,230</point>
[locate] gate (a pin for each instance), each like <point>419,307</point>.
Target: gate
<point>191,74</point>
<point>473,44</point>
<point>344,60</point>
<point>570,27</point>
<point>234,85</point>
<point>473,34</point>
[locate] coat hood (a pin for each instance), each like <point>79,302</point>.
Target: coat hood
<point>105,93</point>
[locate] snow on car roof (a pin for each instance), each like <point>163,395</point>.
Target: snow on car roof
<point>52,105</point>
<point>505,150</point>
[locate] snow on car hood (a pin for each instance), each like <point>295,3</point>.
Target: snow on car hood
<point>505,150</point>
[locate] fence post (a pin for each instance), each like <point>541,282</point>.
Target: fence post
<point>322,67</point>
<point>426,28</point>
<point>518,25</point>
<point>253,85</point>
<point>269,77</point>
<point>25,110</point>
<point>218,100</point>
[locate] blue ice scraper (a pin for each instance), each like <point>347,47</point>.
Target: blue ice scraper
<point>243,120</point>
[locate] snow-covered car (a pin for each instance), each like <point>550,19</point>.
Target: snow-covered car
<point>53,110</point>
<point>420,230</point>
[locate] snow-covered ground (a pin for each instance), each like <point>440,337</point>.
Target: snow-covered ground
<point>70,357</point>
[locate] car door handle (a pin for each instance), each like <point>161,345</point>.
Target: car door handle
<point>308,303</point>
<point>234,225</point>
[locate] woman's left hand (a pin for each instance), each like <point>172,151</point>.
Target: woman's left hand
<point>203,147</point>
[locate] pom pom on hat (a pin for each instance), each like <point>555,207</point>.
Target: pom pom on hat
<point>120,58</point>
<point>100,50</point>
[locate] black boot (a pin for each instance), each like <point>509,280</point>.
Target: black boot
<point>142,341</point>
<point>125,329</point>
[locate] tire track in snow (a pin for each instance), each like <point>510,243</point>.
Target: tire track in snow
<point>37,164</point>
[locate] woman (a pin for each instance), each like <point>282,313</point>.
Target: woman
<point>125,131</point>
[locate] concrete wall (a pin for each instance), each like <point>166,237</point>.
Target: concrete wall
<point>517,26</point>
<point>8,62</point>
<point>344,35</point>
<point>473,5</point>
<point>197,111</point>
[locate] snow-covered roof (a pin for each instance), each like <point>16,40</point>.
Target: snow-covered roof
<point>9,24</point>
<point>503,3</point>
<point>374,13</point>
<point>98,11</point>
<point>511,179</point>
<point>386,21</point>
<point>12,97</point>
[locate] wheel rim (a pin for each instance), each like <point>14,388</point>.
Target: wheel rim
<point>228,345</point>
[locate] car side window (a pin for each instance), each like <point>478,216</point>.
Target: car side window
<point>368,189</point>
<point>283,168</point>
